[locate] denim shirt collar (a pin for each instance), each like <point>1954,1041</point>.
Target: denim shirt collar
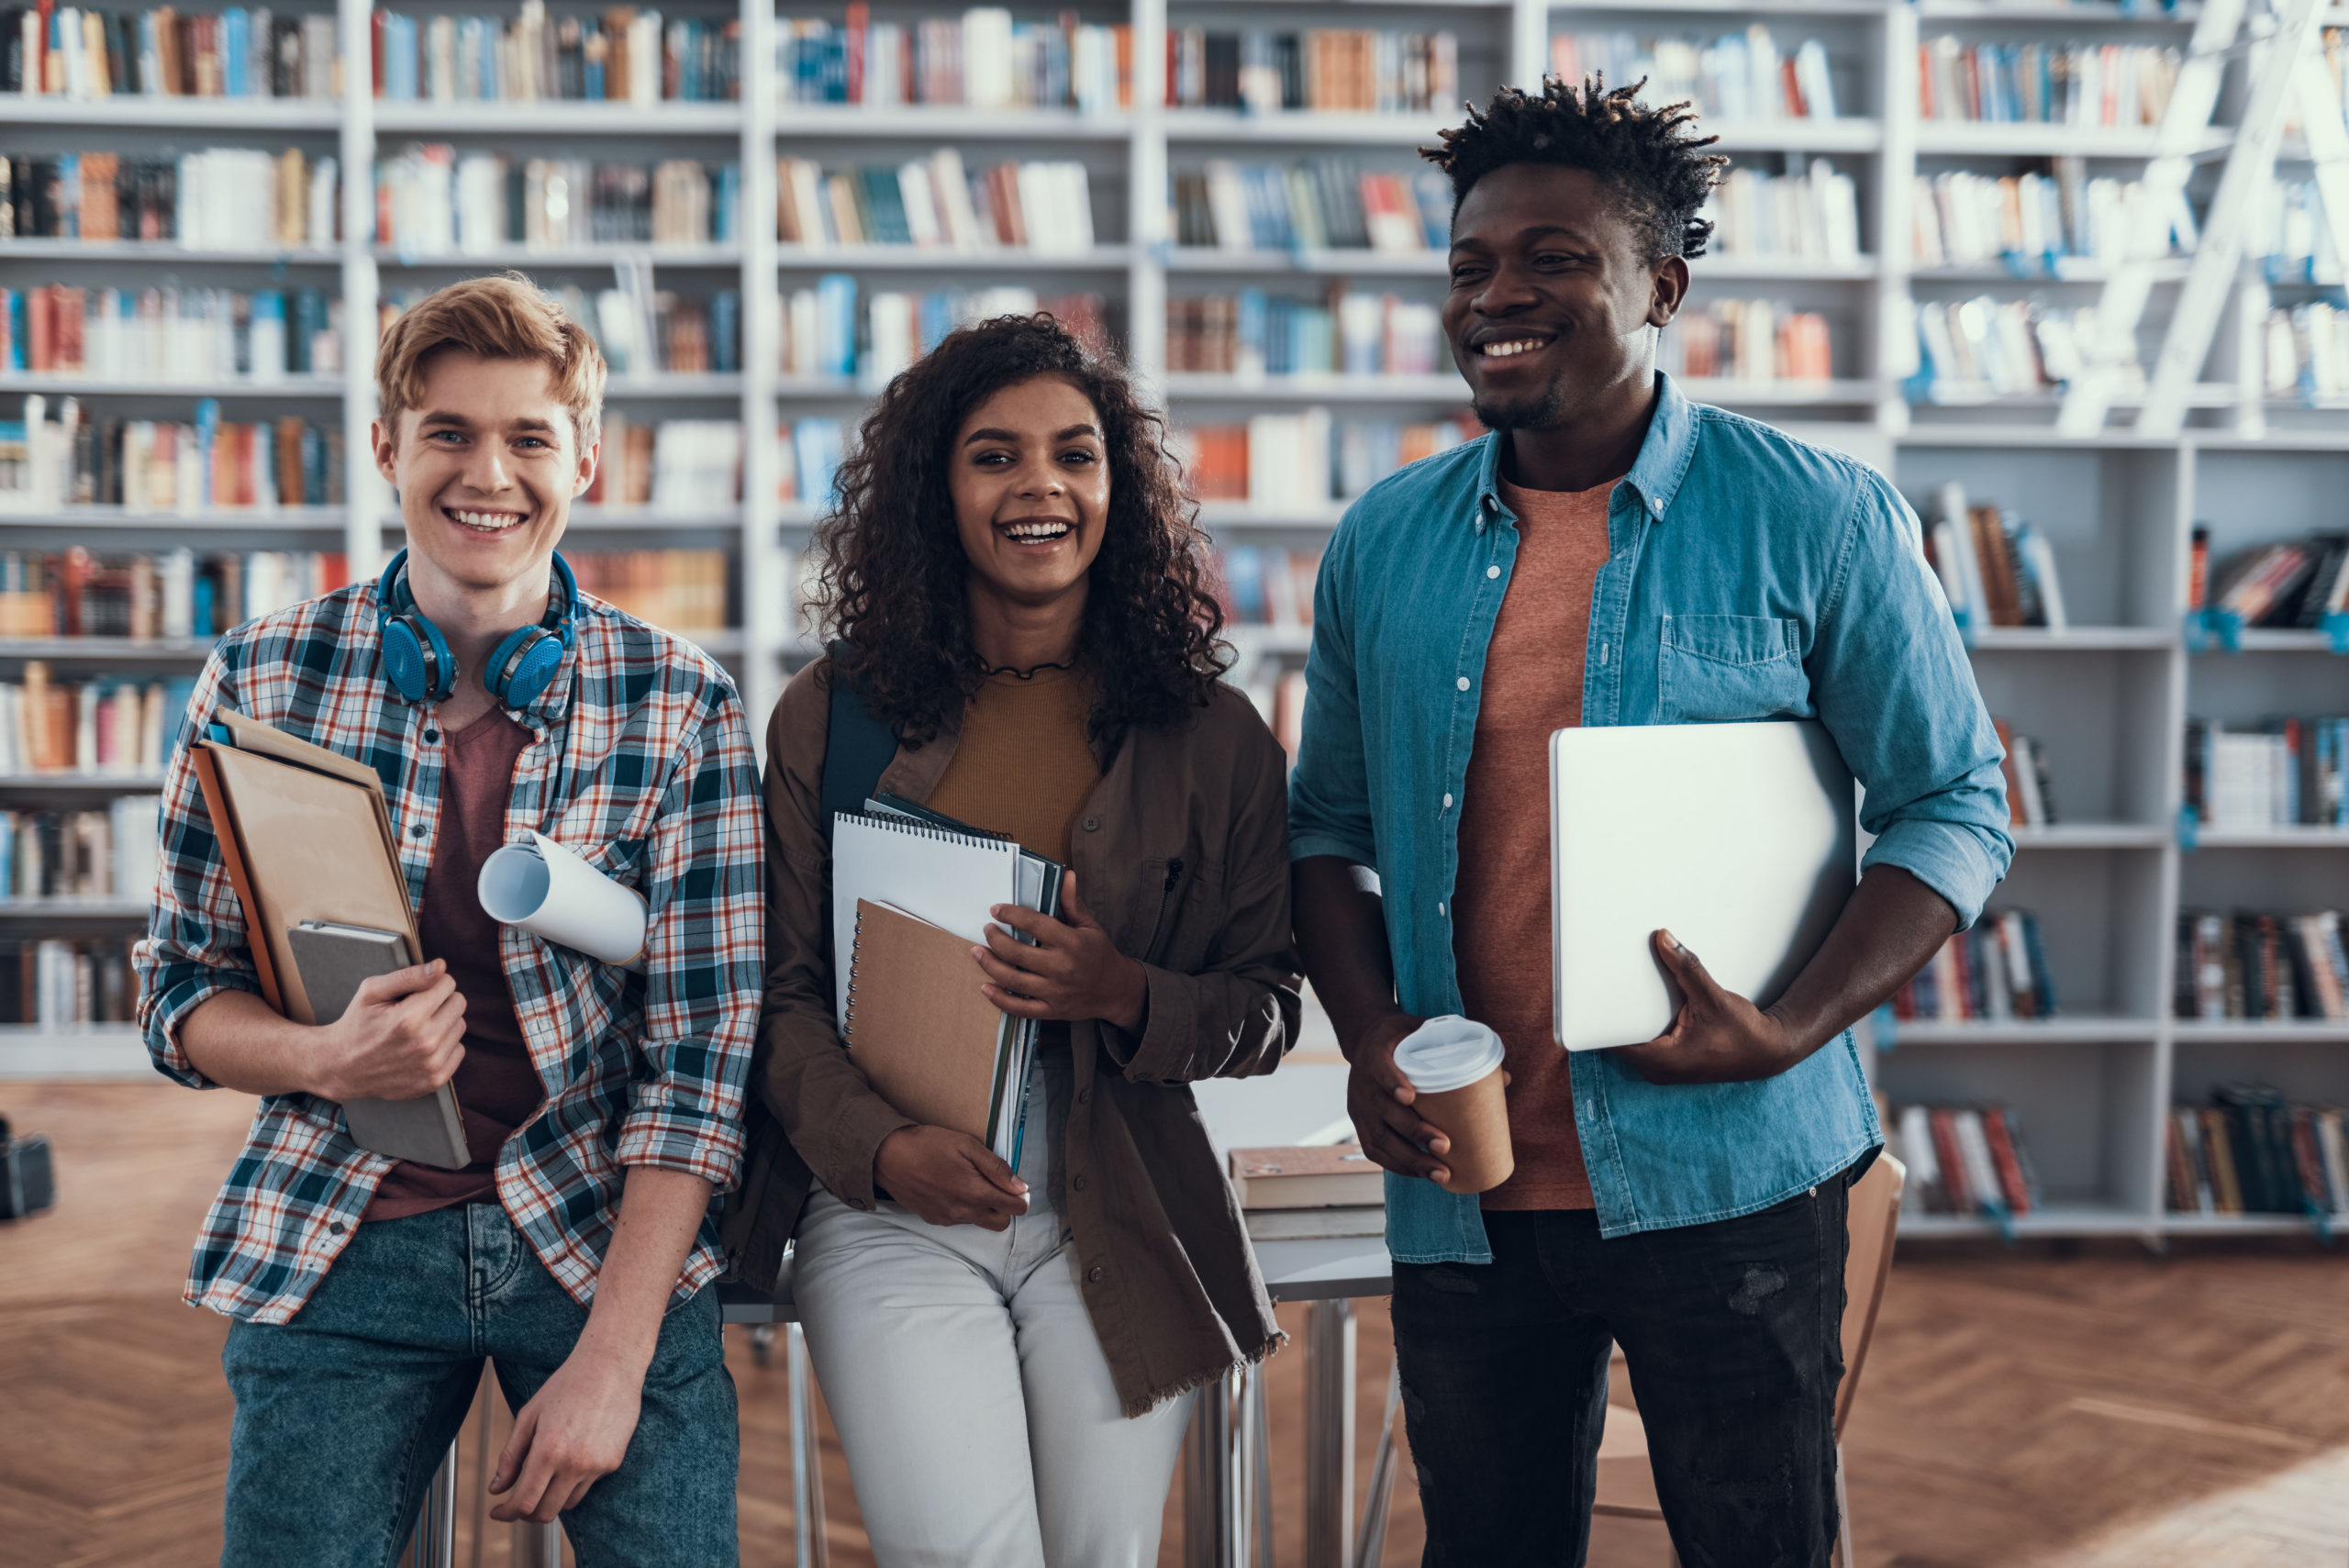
<point>1656,476</point>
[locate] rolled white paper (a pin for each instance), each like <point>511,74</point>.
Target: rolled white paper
<point>551,893</point>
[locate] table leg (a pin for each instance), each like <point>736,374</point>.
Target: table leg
<point>809,1549</point>
<point>1373,1542</point>
<point>1328,1433</point>
<point>436,1521</point>
<point>1219,1474</point>
<point>538,1546</point>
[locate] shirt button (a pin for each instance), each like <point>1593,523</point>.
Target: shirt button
<point>1096,1273</point>
<point>1462,683</point>
<point>416,831</point>
<point>1438,907</point>
<point>1447,803</point>
<point>336,1228</point>
<point>1492,571</point>
<point>1085,1097</point>
<point>1656,507</point>
<point>430,736</point>
<point>1079,1183</point>
<point>1092,824</point>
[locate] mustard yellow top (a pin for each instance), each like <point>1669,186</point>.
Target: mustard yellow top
<point>1023,765</point>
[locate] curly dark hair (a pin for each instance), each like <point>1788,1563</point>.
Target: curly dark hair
<point>893,579</point>
<point>1660,175</point>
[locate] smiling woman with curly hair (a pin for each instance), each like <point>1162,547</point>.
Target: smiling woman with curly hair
<point>1025,645</point>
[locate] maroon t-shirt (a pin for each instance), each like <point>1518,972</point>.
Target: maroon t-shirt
<point>497,1088</point>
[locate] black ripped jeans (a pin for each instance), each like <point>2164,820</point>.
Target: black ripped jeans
<point>1731,1333</point>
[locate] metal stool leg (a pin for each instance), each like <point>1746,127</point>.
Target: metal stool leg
<point>435,1542</point>
<point>809,1549</point>
<point>1842,1517</point>
<point>1217,1476</point>
<point>1328,1433</point>
<point>538,1546</point>
<point>1259,1438</point>
<point>1371,1542</point>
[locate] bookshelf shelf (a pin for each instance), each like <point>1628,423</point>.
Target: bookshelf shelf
<point>2007,13</point>
<point>303,519</point>
<point>2080,639</point>
<point>2064,1029</point>
<point>2291,837</point>
<point>2246,1224</point>
<point>106,650</point>
<point>726,256</point>
<point>946,122</point>
<point>1849,136</point>
<point>624,388</point>
<point>645,519</point>
<point>87,386</point>
<point>1305,129</point>
<point>2092,835</point>
<point>1215,515</point>
<point>558,119</point>
<point>2054,1220</point>
<point>164,252</point>
<point>87,1050</point>
<point>1964,138</point>
<point>83,783</point>
<point>190,114</point>
<point>925,259</point>
<point>1197,260</point>
<point>1320,388</point>
<point>73,909</point>
<point>2237,1031</point>
<point>2258,641</point>
<point>1782,393</point>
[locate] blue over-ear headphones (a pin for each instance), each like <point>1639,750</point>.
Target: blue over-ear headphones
<point>421,669</point>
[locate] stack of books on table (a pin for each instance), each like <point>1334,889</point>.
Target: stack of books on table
<point>1299,1193</point>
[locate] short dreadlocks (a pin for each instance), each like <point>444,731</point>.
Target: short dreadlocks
<point>1661,177</point>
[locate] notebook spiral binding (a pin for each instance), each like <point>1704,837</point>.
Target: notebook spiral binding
<point>923,829</point>
<point>855,945</point>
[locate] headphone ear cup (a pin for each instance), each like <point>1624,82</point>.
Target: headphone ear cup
<point>416,659</point>
<point>521,666</point>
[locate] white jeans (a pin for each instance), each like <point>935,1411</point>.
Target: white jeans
<point>970,1392</point>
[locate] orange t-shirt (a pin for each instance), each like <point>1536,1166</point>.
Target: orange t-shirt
<point>1533,672</point>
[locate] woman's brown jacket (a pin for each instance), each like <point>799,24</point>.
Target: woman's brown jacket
<point>1182,852</point>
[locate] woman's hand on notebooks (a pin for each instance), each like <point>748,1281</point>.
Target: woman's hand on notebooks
<point>1718,1037</point>
<point>402,1037</point>
<point>1379,1099</point>
<point>949,1178</point>
<point>1074,972</point>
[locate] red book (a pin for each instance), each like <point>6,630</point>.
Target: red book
<point>1962,1197</point>
<point>859,20</point>
<point>375,49</point>
<point>2003,1155</point>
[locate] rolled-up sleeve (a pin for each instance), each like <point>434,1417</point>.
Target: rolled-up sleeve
<point>1329,793</point>
<point>1891,682</point>
<point>195,946</point>
<point>702,956</point>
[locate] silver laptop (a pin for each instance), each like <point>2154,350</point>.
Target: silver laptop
<point>1740,840</point>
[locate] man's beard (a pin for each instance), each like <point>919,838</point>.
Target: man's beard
<point>1541,410</point>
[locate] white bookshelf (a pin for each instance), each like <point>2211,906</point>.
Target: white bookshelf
<point>2108,698</point>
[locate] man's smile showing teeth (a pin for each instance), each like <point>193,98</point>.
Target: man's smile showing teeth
<point>1514,346</point>
<point>490,522</point>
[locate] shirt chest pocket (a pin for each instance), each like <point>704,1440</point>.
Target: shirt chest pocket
<point>1719,669</point>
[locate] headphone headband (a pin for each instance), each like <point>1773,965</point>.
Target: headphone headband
<point>420,667</point>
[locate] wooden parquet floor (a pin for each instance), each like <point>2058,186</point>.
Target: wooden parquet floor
<point>2109,1410</point>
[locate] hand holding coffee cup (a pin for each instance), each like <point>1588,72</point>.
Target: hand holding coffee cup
<point>1454,1065</point>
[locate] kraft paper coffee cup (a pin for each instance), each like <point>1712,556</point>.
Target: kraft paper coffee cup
<point>1454,1066</point>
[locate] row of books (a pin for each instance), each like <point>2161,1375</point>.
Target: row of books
<point>1996,569</point>
<point>1748,339</point>
<point>810,450</point>
<point>1963,1160</point>
<point>2251,1151</point>
<point>1348,332</point>
<point>2261,966</point>
<point>2287,772</point>
<point>983,58</point>
<point>625,56</point>
<point>215,198</point>
<point>2290,583</point>
<point>174,593</point>
<point>684,591</point>
<point>157,465</point>
<point>1043,205</point>
<point>679,467</point>
<point>433,201</point>
<point>98,853</point>
<point>2286,234</point>
<point>835,328</point>
<point>641,333</point>
<point>1737,76</point>
<point>1323,204</point>
<point>1319,70</point>
<point>170,333</point>
<point>2031,794</point>
<point>1974,349</point>
<point>2304,352</point>
<point>2051,224</point>
<point>61,51</point>
<point>1301,462</point>
<point>61,983</point>
<point>105,725</point>
<point>1260,586</point>
<point>1811,216</point>
<point>1994,971</point>
<point>2112,84</point>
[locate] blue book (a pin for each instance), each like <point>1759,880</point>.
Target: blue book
<point>726,331</point>
<point>815,443</point>
<point>236,49</point>
<point>16,329</point>
<point>208,433</point>
<point>836,325</point>
<point>885,207</point>
<point>1243,578</point>
<point>726,221</point>
<point>937,319</point>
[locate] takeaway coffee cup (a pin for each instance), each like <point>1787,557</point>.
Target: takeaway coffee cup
<point>1454,1065</point>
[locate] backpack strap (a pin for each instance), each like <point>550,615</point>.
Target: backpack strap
<point>859,746</point>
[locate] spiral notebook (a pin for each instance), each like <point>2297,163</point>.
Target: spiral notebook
<point>948,877</point>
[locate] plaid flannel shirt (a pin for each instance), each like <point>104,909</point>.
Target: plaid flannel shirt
<point>641,762</point>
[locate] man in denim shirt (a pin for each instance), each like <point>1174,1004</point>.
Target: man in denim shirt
<point>1613,553</point>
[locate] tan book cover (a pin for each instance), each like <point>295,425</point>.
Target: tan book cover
<point>917,1021</point>
<point>1326,1176</point>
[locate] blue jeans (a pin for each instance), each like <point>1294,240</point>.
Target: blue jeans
<point>1731,1331</point>
<point>343,1413</point>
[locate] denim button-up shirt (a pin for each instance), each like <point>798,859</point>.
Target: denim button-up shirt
<point>1749,576</point>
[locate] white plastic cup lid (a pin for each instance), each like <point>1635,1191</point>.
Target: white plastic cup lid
<point>1449,1052</point>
